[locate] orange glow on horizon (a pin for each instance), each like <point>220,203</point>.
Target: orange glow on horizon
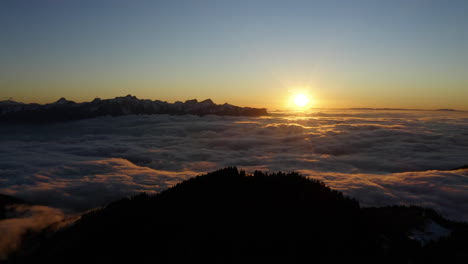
<point>300,100</point>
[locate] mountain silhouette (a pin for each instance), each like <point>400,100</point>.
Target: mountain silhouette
<point>462,167</point>
<point>65,110</point>
<point>6,201</point>
<point>231,217</point>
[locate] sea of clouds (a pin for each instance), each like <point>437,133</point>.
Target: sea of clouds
<point>378,157</point>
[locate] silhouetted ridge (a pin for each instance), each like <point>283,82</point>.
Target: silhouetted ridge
<point>64,110</point>
<point>461,168</point>
<point>231,217</point>
<point>5,201</point>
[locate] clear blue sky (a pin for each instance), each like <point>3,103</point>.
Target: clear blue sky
<point>410,53</point>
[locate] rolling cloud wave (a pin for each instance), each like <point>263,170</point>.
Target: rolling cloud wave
<point>379,157</point>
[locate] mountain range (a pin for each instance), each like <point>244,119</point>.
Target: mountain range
<point>228,216</point>
<point>65,110</point>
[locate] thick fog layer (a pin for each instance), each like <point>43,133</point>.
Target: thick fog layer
<point>379,157</point>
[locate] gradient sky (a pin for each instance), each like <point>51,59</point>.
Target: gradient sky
<point>409,53</point>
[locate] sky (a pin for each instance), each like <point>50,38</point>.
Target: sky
<point>402,54</point>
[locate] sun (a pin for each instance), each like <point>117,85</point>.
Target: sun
<point>301,100</point>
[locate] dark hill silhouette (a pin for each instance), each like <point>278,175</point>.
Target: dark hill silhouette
<point>6,201</point>
<point>64,110</point>
<point>462,167</point>
<point>230,217</point>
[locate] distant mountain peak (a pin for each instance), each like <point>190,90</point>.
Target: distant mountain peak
<point>207,102</point>
<point>10,102</point>
<point>62,100</point>
<point>65,110</point>
<point>128,96</point>
<point>192,101</point>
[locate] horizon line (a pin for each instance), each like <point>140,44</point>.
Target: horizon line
<point>272,109</point>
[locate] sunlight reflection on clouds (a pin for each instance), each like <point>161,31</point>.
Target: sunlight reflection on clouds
<point>86,163</point>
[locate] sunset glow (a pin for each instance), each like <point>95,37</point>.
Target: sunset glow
<point>229,130</point>
<point>301,100</point>
<point>174,51</point>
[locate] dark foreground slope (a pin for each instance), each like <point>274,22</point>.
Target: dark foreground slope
<point>5,202</point>
<point>230,217</point>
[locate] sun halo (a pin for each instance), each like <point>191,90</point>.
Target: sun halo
<point>301,100</point>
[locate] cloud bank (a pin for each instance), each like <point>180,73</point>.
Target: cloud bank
<point>26,218</point>
<point>379,157</point>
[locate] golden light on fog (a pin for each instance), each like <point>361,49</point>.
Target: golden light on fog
<point>301,100</point>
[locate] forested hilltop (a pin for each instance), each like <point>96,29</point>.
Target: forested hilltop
<point>229,216</point>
